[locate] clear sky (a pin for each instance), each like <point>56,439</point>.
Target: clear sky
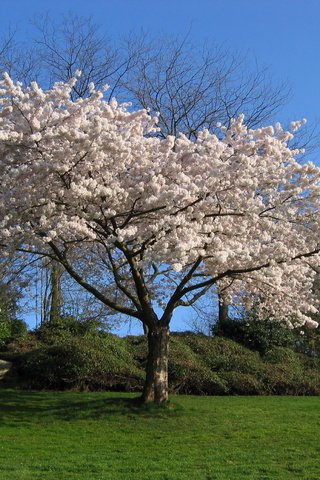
<point>281,34</point>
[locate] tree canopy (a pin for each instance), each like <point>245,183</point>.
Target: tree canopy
<point>147,224</point>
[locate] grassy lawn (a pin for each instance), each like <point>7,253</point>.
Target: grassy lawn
<point>91,436</point>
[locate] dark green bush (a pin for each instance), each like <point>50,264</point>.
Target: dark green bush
<point>12,330</point>
<point>282,355</point>
<point>138,346</point>
<point>19,329</point>
<point>258,335</point>
<point>285,361</point>
<point>278,380</point>
<point>307,340</point>
<point>10,326</point>
<point>5,333</point>
<point>219,353</point>
<point>285,373</point>
<point>66,328</point>
<point>311,382</point>
<point>242,383</point>
<point>189,374</point>
<point>23,344</point>
<point>197,364</point>
<point>93,362</point>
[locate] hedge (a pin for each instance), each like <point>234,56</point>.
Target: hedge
<point>198,365</point>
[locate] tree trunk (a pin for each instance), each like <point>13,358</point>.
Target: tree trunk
<point>156,385</point>
<point>145,329</point>
<point>223,309</point>
<point>56,293</point>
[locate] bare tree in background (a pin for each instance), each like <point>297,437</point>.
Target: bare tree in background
<point>189,87</point>
<point>18,59</point>
<point>77,45</point>
<point>195,88</point>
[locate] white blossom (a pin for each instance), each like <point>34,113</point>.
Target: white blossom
<point>89,176</point>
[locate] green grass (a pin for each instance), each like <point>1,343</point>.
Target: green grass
<point>105,436</point>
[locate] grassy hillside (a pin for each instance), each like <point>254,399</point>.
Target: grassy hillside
<point>103,436</point>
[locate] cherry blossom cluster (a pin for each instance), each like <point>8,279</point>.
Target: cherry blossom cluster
<point>89,175</point>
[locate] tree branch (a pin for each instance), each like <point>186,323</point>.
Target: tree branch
<point>107,301</point>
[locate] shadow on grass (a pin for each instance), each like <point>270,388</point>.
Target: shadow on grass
<point>24,407</point>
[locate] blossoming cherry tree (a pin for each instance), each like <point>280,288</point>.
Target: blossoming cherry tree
<point>146,224</point>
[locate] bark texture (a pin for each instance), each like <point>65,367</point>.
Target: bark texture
<point>156,386</point>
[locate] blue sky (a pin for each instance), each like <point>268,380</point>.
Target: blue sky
<point>281,34</point>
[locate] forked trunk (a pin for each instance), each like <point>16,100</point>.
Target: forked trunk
<point>156,385</point>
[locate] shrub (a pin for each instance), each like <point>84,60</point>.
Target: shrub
<point>222,354</point>
<point>278,380</point>
<point>12,330</point>
<point>258,335</point>
<point>197,365</point>
<point>308,340</point>
<point>23,344</point>
<point>10,327</point>
<point>284,372</point>
<point>19,329</point>
<point>66,328</point>
<point>242,383</point>
<point>5,333</point>
<point>282,355</point>
<point>93,362</point>
<point>188,373</point>
<point>138,346</point>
